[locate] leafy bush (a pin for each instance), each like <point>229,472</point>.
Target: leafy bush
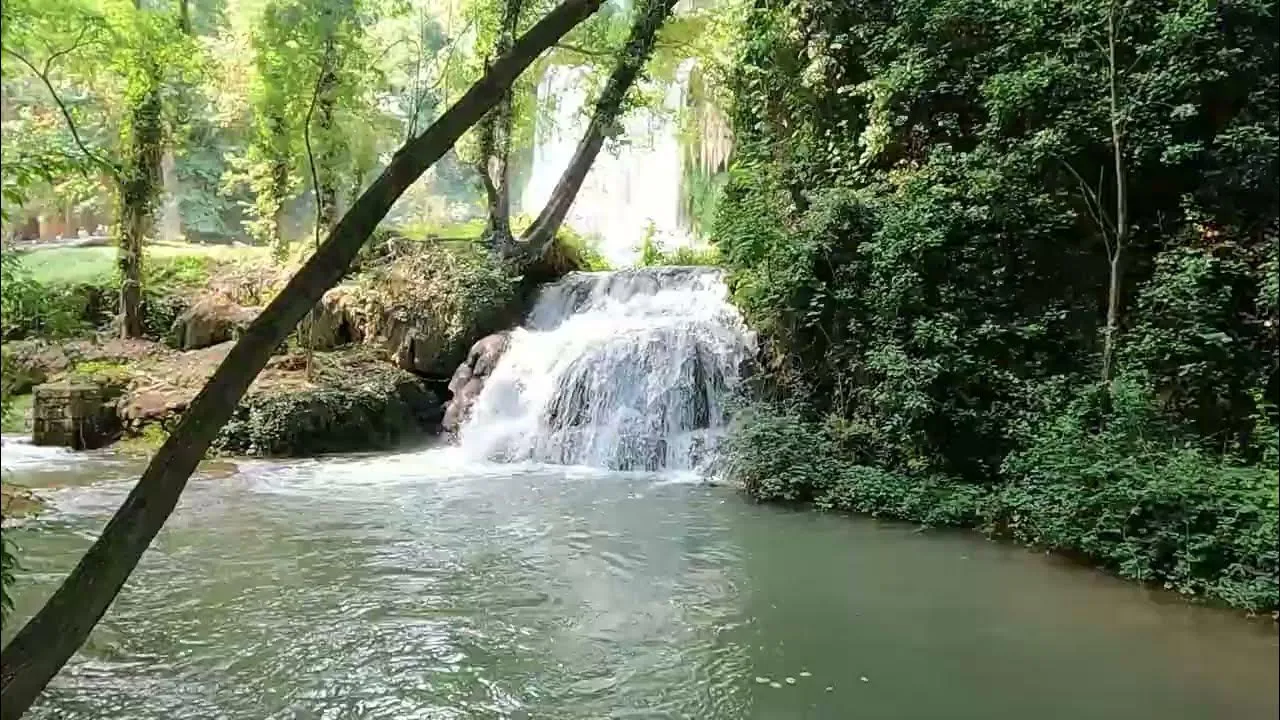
<point>652,255</point>
<point>28,308</point>
<point>1112,487</point>
<point>1103,478</point>
<point>777,455</point>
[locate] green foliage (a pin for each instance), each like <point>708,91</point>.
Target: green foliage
<point>909,222</point>
<point>8,568</point>
<point>1138,502</point>
<point>651,254</point>
<point>29,308</point>
<point>16,413</point>
<point>779,455</point>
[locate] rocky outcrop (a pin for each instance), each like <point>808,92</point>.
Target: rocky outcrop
<point>347,401</point>
<point>28,363</point>
<point>423,305</point>
<point>468,380</point>
<point>354,404</point>
<point>210,320</point>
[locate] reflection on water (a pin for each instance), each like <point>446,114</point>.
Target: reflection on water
<point>419,586</point>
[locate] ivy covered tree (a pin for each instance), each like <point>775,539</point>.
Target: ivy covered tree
<point>134,53</point>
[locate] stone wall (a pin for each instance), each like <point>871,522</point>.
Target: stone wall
<point>74,416</point>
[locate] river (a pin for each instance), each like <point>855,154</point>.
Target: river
<point>426,585</point>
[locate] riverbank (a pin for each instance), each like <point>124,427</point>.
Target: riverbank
<point>1135,506</point>
<point>369,369</point>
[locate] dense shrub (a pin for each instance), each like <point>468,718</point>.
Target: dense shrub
<point>1114,489</point>
<point>917,222</point>
<point>62,309</point>
<point>1104,485</point>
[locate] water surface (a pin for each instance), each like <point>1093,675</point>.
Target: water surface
<point>420,585</point>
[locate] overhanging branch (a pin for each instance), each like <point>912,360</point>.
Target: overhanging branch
<point>43,76</point>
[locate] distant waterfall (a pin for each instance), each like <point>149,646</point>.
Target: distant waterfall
<point>625,370</point>
<point>632,184</point>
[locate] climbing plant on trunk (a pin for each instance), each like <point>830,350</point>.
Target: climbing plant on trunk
<point>495,131</point>
<point>48,640</point>
<point>141,50</point>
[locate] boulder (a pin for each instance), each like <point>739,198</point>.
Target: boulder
<point>468,380</point>
<point>331,324</point>
<point>28,363</point>
<point>210,320</point>
<point>352,406</point>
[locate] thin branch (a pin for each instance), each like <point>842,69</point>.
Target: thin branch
<point>315,191</point>
<point>110,167</point>
<point>1093,204</point>
<point>387,49</point>
<point>55,54</point>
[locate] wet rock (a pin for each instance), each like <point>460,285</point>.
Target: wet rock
<point>350,407</point>
<point>28,363</point>
<point>468,379</point>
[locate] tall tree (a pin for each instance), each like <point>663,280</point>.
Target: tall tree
<point>142,50</point>
<point>495,131</point>
<point>139,183</point>
<point>44,644</point>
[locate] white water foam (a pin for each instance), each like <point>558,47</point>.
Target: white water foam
<point>629,370</point>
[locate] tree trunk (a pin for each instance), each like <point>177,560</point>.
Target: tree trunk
<point>44,644</point>
<point>138,185</point>
<point>495,141</point>
<point>1116,253</point>
<point>535,241</point>
<point>327,158</point>
<point>1113,320</point>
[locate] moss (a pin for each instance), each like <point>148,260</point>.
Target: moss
<point>352,407</point>
<point>111,375</point>
<point>145,442</point>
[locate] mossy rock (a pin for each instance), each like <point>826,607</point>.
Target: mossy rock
<point>374,407</point>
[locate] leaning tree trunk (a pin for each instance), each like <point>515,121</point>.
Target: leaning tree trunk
<point>644,31</point>
<point>45,643</point>
<point>137,188</point>
<point>495,140</point>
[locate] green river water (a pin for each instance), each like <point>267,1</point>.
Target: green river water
<point>415,585</point>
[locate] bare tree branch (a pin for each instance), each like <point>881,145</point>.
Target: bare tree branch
<point>43,75</point>
<point>1093,204</point>
<point>315,191</point>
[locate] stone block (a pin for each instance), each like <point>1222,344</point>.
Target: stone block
<point>74,416</point>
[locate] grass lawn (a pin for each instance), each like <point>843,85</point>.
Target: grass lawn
<point>88,264</point>
<point>18,419</point>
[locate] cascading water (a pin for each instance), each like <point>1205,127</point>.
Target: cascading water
<point>631,187</point>
<point>630,370</point>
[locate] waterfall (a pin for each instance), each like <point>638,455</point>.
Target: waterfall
<point>628,370</point>
<point>631,185</point>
